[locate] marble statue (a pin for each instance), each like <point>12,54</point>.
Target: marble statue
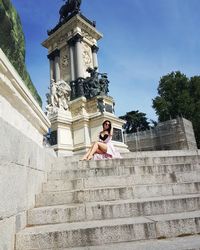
<point>58,97</point>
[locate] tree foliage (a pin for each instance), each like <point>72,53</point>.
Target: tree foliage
<point>135,121</point>
<point>12,42</point>
<point>179,95</point>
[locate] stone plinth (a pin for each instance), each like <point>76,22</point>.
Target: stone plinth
<point>73,131</point>
<point>88,116</point>
<point>61,131</point>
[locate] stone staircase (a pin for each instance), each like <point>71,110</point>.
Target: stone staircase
<point>138,202</point>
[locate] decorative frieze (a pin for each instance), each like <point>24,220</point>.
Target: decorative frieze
<point>85,34</point>
<point>87,57</point>
<point>65,61</point>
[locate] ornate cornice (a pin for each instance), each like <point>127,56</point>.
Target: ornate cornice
<point>66,31</point>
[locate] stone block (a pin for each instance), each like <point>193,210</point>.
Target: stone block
<point>87,233</point>
<point>7,233</point>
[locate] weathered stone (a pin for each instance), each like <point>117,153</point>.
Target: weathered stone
<point>113,209</point>
<point>23,160</point>
<point>108,231</point>
<point>114,201</point>
<point>174,134</point>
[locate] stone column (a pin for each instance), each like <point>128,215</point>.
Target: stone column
<point>78,56</point>
<point>51,63</point>
<point>57,65</point>
<point>54,58</point>
<point>71,44</point>
<point>94,56</point>
<point>51,69</point>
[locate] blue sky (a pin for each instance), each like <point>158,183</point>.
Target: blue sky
<point>143,40</point>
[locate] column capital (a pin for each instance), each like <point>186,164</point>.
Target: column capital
<point>94,49</point>
<point>77,38</point>
<point>53,54</point>
<point>71,41</point>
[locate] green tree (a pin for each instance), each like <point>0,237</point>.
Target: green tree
<point>179,95</point>
<point>12,42</point>
<point>135,121</point>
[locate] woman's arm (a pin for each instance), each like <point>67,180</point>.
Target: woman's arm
<point>111,133</point>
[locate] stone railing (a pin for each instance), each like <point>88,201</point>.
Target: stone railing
<point>17,103</point>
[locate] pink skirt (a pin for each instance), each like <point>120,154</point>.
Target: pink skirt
<point>111,153</point>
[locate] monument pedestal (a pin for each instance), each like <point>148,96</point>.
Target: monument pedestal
<point>61,132</point>
<point>88,117</point>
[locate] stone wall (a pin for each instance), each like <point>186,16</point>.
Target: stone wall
<point>24,162</point>
<point>23,168</point>
<point>174,134</point>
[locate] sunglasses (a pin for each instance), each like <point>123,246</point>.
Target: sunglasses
<point>107,124</point>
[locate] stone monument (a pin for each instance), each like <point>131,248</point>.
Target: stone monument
<point>78,101</point>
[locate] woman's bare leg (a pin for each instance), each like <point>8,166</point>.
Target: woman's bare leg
<point>88,152</point>
<point>98,147</point>
<point>86,155</point>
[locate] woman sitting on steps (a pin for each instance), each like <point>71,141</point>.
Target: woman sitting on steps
<point>103,149</point>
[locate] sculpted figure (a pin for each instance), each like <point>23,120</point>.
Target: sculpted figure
<point>91,83</point>
<point>70,6</point>
<point>94,85</point>
<point>59,96</point>
<point>103,82</point>
<point>63,93</point>
<point>53,93</point>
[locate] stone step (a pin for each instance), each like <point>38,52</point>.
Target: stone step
<point>118,181</point>
<point>121,170</point>
<point>113,209</point>
<point>63,164</point>
<point>142,154</point>
<point>161,153</point>
<point>93,233</point>
<point>115,193</point>
<point>179,243</point>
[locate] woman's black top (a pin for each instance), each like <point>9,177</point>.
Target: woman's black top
<point>103,138</point>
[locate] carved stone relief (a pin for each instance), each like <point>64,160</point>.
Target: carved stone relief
<point>87,57</point>
<point>87,35</point>
<point>62,39</point>
<point>59,96</point>
<point>65,64</point>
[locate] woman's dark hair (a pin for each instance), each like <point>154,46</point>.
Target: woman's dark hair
<point>110,126</point>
